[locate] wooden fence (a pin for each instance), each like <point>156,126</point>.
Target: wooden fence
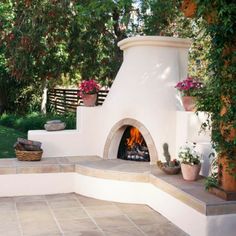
<point>66,100</point>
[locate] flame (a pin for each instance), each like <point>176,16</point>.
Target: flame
<point>135,137</point>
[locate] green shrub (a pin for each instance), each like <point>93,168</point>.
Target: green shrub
<point>34,121</point>
<point>8,120</point>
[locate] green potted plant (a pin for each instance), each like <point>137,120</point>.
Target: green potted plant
<point>88,91</point>
<point>189,89</point>
<point>190,162</point>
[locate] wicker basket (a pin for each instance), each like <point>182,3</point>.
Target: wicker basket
<point>29,155</point>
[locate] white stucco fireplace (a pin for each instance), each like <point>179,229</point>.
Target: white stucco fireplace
<point>143,95</point>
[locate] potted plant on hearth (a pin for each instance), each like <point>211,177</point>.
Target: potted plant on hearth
<point>170,167</point>
<point>88,91</point>
<point>189,89</point>
<point>190,162</point>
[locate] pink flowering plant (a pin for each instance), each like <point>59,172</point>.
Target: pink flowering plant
<point>88,87</point>
<point>189,86</point>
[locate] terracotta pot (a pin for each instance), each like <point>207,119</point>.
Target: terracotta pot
<point>190,172</point>
<point>90,99</point>
<point>225,176</point>
<point>189,103</point>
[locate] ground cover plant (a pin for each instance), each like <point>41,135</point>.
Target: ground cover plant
<point>8,137</point>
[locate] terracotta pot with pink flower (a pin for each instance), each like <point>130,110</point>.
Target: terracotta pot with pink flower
<point>88,91</point>
<point>189,89</point>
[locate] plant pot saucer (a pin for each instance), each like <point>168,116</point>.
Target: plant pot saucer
<point>170,170</point>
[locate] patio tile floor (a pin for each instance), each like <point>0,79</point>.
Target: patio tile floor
<point>74,215</point>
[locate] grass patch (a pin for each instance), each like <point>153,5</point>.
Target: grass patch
<point>34,121</point>
<point>8,137</point>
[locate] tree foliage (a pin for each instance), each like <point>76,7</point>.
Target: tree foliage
<point>219,97</point>
<point>64,41</point>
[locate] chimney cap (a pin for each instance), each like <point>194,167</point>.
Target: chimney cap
<point>154,41</point>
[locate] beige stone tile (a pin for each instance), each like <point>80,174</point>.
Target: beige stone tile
<point>35,221</point>
<point>10,232</point>
<point>103,164</point>
<point>111,174</point>
<point>6,199</point>
<point>10,228</point>
<point>34,215</point>
<point>7,170</point>
<point>221,209</point>
<point>147,218</point>
<point>77,225</point>
<point>47,234</point>
<point>43,161</point>
<point>7,206</point>
<point>104,211</point>
<point>67,168</point>
<point>62,160</point>
<point>70,213</point>
<point>106,223</point>
<point>29,198</point>
<point>85,233</point>
<point>39,228</point>
<point>123,231</point>
<point>78,159</point>
<point>8,162</point>
<point>8,224</point>
<point>86,201</point>
<point>162,230</point>
<point>35,205</point>
<point>7,215</point>
<point>138,168</point>
<point>134,208</point>
<point>28,169</point>
<point>201,194</point>
<point>51,169</point>
<point>67,203</point>
<point>38,169</point>
<point>61,196</point>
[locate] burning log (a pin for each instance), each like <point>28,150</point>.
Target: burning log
<point>133,146</point>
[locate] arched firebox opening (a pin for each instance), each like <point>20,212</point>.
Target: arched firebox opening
<point>118,135</point>
<point>133,146</point>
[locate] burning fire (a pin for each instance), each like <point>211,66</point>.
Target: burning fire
<point>135,137</point>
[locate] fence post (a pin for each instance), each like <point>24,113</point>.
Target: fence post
<point>55,99</point>
<point>64,101</point>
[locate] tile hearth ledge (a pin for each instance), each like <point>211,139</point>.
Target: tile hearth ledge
<point>190,193</point>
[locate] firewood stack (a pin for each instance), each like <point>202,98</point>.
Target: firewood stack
<point>27,145</point>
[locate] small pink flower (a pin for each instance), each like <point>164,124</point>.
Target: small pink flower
<point>188,86</point>
<point>88,87</point>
